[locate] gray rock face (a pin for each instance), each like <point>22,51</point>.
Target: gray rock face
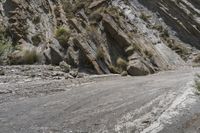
<point>181,15</point>
<point>137,66</point>
<point>92,35</point>
<point>55,52</point>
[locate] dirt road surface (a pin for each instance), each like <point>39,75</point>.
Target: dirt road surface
<point>165,102</point>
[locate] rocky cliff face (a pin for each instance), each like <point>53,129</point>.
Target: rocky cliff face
<point>183,16</point>
<point>98,36</point>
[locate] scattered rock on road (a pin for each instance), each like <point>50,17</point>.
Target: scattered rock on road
<point>2,72</point>
<point>64,66</point>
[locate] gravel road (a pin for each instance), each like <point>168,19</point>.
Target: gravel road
<point>164,102</point>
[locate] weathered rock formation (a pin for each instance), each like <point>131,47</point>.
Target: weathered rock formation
<point>92,35</point>
<point>183,16</point>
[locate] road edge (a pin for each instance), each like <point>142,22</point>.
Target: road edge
<point>172,118</point>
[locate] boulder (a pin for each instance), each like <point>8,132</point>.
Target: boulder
<point>55,52</point>
<point>74,73</point>
<point>64,66</point>
<point>124,73</point>
<point>2,72</point>
<point>25,53</point>
<point>137,68</point>
<point>68,76</point>
<point>47,55</point>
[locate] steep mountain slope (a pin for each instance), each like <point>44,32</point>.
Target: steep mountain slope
<point>182,15</point>
<point>99,36</point>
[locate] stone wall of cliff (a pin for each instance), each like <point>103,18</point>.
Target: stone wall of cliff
<point>183,16</point>
<point>98,36</point>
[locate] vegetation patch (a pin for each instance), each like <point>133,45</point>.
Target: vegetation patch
<point>100,54</point>
<point>122,63</point>
<point>171,43</point>
<point>71,8</point>
<point>30,57</point>
<point>165,34</point>
<point>197,59</point>
<point>197,83</point>
<point>6,46</point>
<point>148,53</point>
<point>144,16</point>
<point>62,35</point>
<point>68,8</point>
<point>158,27</point>
<point>180,49</point>
<point>36,39</point>
<point>26,56</point>
<point>5,50</point>
<point>130,50</point>
<point>114,69</point>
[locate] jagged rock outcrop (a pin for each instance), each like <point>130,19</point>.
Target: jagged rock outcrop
<point>182,16</point>
<point>137,66</point>
<point>92,35</point>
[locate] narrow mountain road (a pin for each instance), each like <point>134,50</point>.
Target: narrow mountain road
<point>117,104</point>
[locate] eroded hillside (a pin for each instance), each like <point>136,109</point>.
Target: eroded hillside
<point>100,36</point>
<point>182,15</point>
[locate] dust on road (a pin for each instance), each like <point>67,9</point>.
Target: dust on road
<point>95,104</point>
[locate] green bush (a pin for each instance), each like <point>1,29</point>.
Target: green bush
<point>29,57</point>
<point>62,35</point>
<point>197,85</point>
<point>68,8</point>
<point>121,63</point>
<point>197,82</point>
<point>144,17</point>
<point>148,53</point>
<point>6,46</point>
<point>165,34</point>
<point>130,50</point>
<point>197,59</point>
<point>114,69</point>
<point>71,8</point>
<point>36,39</point>
<point>158,27</point>
<point>5,50</point>
<point>100,54</point>
<point>26,56</point>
